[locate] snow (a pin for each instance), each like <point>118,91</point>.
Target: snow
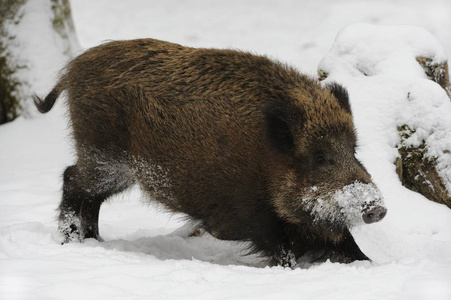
<point>371,50</point>
<point>146,254</point>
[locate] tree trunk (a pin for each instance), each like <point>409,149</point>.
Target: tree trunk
<point>30,33</point>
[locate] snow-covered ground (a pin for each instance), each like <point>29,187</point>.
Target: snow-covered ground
<point>146,255</point>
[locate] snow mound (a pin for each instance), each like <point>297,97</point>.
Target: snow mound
<point>372,50</point>
<point>379,66</point>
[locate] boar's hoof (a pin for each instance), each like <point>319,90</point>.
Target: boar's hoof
<point>73,233</point>
<point>335,257</point>
<point>374,215</point>
<point>69,226</point>
<point>70,233</point>
<point>286,259</point>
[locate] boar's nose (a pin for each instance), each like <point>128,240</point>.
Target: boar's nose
<point>374,215</point>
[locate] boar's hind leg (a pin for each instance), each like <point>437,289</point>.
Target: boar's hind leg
<point>84,190</point>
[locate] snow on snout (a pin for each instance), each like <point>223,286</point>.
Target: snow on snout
<point>345,206</point>
<point>355,199</point>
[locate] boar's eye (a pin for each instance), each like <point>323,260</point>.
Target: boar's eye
<point>320,158</point>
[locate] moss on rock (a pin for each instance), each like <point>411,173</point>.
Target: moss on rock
<point>418,172</point>
<point>436,72</point>
<point>322,75</point>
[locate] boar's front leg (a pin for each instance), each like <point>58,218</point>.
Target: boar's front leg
<point>272,241</point>
<point>308,247</point>
<point>344,251</point>
<point>84,190</point>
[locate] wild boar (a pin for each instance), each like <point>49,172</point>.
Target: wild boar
<point>246,146</point>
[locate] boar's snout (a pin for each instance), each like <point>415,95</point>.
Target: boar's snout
<point>374,215</point>
<point>360,203</point>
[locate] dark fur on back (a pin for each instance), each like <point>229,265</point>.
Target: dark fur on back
<point>226,137</point>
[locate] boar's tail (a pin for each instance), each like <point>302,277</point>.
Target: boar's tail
<point>46,105</point>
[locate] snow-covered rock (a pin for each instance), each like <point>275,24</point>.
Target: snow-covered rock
<point>380,67</point>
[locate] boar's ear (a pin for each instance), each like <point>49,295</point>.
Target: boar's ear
<point>280,121</point>
<point>341,94</point>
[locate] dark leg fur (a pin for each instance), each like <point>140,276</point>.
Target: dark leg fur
<point>83,194</point>
<point>273,242</point>
<point>309,248</point>
<point>346,251</point>
<point>288,244</point>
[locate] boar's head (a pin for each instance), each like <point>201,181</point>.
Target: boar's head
<point>317,180</point>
